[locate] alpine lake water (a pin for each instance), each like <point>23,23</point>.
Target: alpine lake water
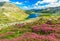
<point>33,15</point>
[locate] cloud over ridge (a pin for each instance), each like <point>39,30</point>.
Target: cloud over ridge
<point>50,3</point>
<point>4,0</point>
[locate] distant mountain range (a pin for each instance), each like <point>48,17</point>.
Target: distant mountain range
<point>46,10</point>
<point>10,12</point>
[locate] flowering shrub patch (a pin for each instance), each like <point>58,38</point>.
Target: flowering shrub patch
<point>34,31</point>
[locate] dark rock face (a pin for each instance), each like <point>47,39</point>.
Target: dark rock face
<point>1,3</point>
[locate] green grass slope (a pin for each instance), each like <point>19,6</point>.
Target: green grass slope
<point>10,12</point>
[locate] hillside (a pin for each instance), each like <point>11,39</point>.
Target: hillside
<point>10,12</point>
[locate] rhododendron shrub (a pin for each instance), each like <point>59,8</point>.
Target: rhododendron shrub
<point>34,31</point>
<point>45,28</point>
<point>32,37</point>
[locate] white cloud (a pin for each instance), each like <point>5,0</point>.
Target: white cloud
<point>4,0</point>
<point>52,3</point>
<point>39,2</point>
<point>18,2</point>
<point>49,1</point>
<point>25,7</point>
<point>45,1</point>
<point>38,7</point>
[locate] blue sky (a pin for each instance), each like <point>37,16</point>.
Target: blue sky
<point>34,4</point>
